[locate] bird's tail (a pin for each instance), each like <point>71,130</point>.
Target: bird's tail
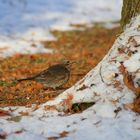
<point>23,79</point>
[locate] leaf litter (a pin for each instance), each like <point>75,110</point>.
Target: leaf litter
<point>87,47</point>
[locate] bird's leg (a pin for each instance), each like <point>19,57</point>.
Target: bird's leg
<point>48,88</point>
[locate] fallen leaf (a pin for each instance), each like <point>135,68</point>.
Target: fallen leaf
<point>117,84</point>
<point>53,138</point>
<point>49,107</point>
<point>4,113</point>
<point>24,113</point>
<point>136,107</point>
<point>82,88</point>
<point>67,102</point>
<point>121,50</point>
<point>19,131</point>
<point>64,134</point>
<point>3,135</point>
<point>129,106</point>
<point>128,81</point>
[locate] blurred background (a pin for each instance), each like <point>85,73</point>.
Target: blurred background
<point>26,22</point>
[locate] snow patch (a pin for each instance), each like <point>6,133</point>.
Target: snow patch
<point>28,22</point>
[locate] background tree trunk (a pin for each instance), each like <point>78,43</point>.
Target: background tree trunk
<point>130,9</point>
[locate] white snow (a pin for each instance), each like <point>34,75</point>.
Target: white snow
<point>133,66</point>
<point>27,22</point>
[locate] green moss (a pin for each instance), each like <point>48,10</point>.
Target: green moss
<point>15,118</point>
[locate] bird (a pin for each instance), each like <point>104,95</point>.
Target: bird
<point>53,77</point>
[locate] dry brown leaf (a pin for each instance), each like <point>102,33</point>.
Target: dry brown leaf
<point>4,113</point>
<point>82,88</point>
<point>128,81</point>
<point>137,104</point>
<point>53,138</point>
<point>64,134</point>
<point>121,50</point>
<point>19,131</point>
<point>116,84</point>
<point>68,102</point>
<point>129,106</point>
<point>132,39</point>
<point>24,113</point>
<point>49,107</point>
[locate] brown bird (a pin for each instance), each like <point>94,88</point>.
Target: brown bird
<point>53,77</point>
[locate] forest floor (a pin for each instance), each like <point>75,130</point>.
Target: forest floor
<point>87,47</point>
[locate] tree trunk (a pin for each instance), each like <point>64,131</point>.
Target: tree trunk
<point>130,9</point>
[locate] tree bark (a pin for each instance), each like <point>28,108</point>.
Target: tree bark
<point>130,9</point>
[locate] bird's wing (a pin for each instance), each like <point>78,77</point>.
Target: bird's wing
<point>44,75</point>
